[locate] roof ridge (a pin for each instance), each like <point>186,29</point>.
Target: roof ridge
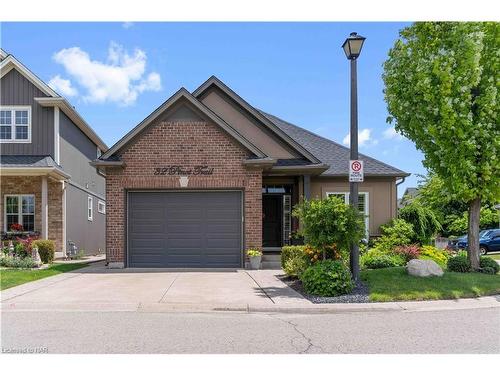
<point>329,140</point>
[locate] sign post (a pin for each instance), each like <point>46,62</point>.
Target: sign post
<point>356,171</point>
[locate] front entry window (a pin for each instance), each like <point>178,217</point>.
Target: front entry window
<point>19,213</point>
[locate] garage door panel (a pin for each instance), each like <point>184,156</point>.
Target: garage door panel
<point>185,229</point>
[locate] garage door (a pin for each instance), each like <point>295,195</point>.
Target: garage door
<point>185,229</point>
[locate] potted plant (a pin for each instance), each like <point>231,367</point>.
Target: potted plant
<point>255,256</point>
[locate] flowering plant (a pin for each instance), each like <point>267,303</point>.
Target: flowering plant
<point>254,253</point>
<point>16,227</point>
<point>408,252</point>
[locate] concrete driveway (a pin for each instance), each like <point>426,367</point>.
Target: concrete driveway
<point>97,287</point>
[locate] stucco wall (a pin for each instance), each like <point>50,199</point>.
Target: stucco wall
<point>381,196</point>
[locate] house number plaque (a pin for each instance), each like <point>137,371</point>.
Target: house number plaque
<point>177,170</point>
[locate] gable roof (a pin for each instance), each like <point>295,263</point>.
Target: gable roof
<point>9,62</point>
<point>332,153</point>
<point>214,81</point>
<point>53,99</point>
<point>182,94</point>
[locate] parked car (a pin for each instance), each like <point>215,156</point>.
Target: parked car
<point>489,240</point>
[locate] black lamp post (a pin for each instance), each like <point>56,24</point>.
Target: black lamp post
<point>352,48</point>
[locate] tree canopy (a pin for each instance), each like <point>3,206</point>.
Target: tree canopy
<point>441,88</point>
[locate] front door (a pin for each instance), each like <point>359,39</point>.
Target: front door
<point>272,212</point>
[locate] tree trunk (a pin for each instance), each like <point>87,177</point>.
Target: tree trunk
<point>473,233</point>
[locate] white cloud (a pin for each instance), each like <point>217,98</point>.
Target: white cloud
<point>391,133</point>
<point>62,86</point>
<point>364,138</point>
<point>120,79</point>
<point>127,25</point>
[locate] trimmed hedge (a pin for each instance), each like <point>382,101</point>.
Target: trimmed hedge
<point>327,278</point>
<point>289,252</point>
<point>459,263</point>
<point>46,249</point>
<point>16,262</point>
<point>486,262</point>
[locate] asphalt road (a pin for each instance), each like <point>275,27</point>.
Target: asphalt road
<point>451,331</point>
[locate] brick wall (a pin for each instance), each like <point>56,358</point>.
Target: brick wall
<point>33,185</point>
<point>186,144</point>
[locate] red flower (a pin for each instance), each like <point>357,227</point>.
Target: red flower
<point>16,227</point>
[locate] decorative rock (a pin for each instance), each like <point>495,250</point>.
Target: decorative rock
<point>423,268</point>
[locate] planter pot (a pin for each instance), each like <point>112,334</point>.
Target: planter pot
<point>255,262</point>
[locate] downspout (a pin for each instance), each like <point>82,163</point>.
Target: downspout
<point>397,184</point>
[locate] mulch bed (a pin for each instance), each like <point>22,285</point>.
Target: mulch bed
<point>359,294</point>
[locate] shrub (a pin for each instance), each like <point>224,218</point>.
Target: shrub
<point>46,249</point>
<point>327,278</point>
<point>288,252</point>
<point>330,221</point>
<point>294,267</point>
<point>422,218</point>
<point>459,263</point>
<point>408,252</point>
<point>486,262</point>
<point>435,254</point>
<point>250,253</point>
<point>16,262</point>
<point>396,233</point>
<point>374,259</point>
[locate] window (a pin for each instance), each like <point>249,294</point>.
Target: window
<point>101,207</point>
<point>15,124</point>
<point>90,208</point>
<point>363,205</point>
<point>20,209</point>
<point>99,152</point>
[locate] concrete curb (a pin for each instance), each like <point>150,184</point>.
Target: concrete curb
<point>334,308</point>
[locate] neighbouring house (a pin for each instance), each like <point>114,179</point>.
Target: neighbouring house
<point>47,185</point>
<point>408,195</point>
<point>207,176</point>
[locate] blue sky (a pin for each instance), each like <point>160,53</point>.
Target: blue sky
<point>115,74</point>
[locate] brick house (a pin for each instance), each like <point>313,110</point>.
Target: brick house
<point>207,176</point>
<point>47,185</point>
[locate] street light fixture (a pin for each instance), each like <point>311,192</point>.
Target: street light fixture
<point>352,48</point>
<point>353,45</point>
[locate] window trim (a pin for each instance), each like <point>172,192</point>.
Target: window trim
<point>20,210</point>
<point>100,204</point>
<point>90,208</point>
<point>13,109</point>
<point>367,205</point>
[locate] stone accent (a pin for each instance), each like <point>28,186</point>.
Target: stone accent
<point>186,144</point>
<point>423,268</point>
<point>33,185</point>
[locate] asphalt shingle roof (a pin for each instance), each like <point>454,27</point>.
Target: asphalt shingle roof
<point>32,161</point>
<point>332,153</point>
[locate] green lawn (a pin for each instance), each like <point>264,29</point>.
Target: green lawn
<point>394,284</point>
<point>494,256</point>
<point>14,277</point>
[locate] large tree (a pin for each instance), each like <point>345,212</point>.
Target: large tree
<point>441,87</point>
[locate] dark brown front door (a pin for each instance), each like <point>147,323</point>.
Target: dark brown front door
<point>272,211</point>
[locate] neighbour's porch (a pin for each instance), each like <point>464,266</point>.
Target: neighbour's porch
<point>32,199</point>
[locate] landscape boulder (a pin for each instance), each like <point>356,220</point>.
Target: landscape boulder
<point>423,268</point>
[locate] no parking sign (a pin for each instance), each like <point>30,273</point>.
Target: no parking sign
<point>356,173</point>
